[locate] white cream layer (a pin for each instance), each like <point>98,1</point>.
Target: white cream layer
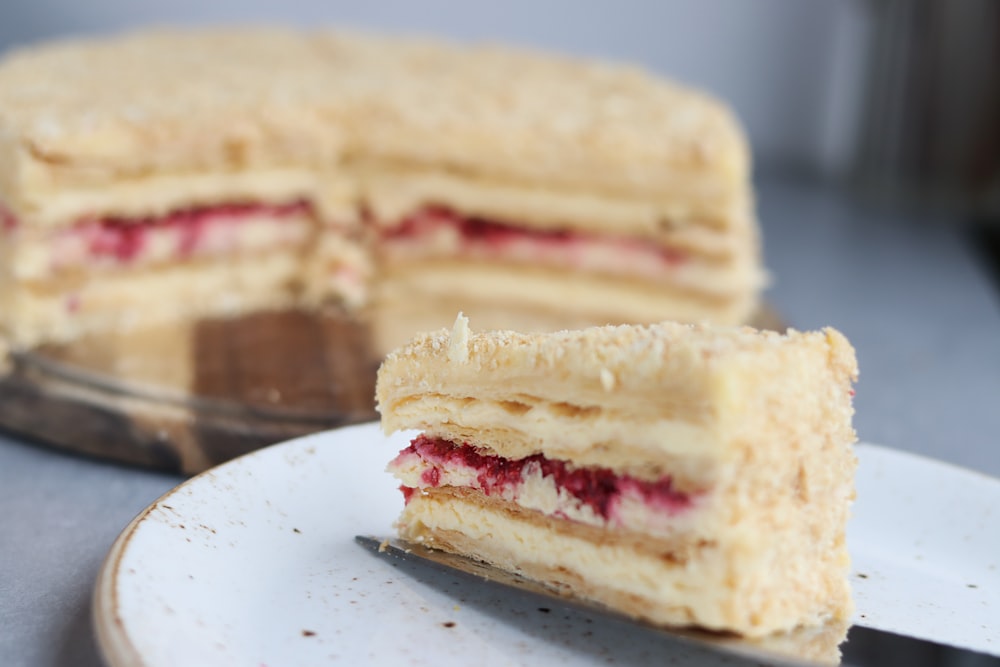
<point>536,491</point>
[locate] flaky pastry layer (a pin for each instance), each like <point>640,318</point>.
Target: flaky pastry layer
<point>720,585</point>
<point>705,383</point>
<point>49,312</point>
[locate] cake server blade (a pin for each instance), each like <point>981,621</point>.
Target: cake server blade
<point>863,646</point>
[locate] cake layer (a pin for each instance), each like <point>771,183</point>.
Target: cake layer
<point>393,193</point>
<point>681,442</point>
<point>436,234</point>
<point>676,388</point>
<point>693,239</point>
<point>55,312</point>
<point>441,233</point>
<point>588,495</point>
<point>729,585</point>
<point>109,243</point>
<point>156,194</point>
<point>529,117</point>
<point>91,112</point>
<point>599,299</point>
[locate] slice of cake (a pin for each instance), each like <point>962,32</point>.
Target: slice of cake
<point>181,173</point>
<point>682,474</point>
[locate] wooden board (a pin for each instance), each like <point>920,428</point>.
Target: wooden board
<point>189,396</point>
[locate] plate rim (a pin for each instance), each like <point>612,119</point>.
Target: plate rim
<point>113,641</point>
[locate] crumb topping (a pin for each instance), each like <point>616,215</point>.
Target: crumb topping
<point>458,341</point>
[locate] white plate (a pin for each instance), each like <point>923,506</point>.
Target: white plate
<point>254,563</point>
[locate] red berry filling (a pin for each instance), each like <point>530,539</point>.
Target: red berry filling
<point>8,222</point>
<point>599,488</point>
<point>481,232</point>
<point>124,238</point>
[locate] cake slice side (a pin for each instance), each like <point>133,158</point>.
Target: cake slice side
<point>792,483</point>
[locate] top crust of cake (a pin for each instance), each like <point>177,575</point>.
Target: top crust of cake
<point>628,365</point>
<point>85,112</point>
<point>629,398</point>
<point>93,111</point>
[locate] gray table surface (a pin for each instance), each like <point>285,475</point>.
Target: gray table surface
<point>921,312</point>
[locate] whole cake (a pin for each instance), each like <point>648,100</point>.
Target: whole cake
<point>682,474</point>
<point>174,174</point>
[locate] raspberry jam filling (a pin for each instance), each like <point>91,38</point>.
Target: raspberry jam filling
<point>125,239</point>
<point>599,489</point>
<point>445,231</point>
<point>8,222</point>
<point>180,234</point>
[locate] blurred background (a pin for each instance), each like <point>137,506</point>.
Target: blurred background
<point>897,99</point>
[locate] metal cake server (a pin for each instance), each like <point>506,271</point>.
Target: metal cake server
<point>860,646</point>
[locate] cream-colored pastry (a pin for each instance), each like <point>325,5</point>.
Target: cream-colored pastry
<point>529,187</point>
<point>684,474</point>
